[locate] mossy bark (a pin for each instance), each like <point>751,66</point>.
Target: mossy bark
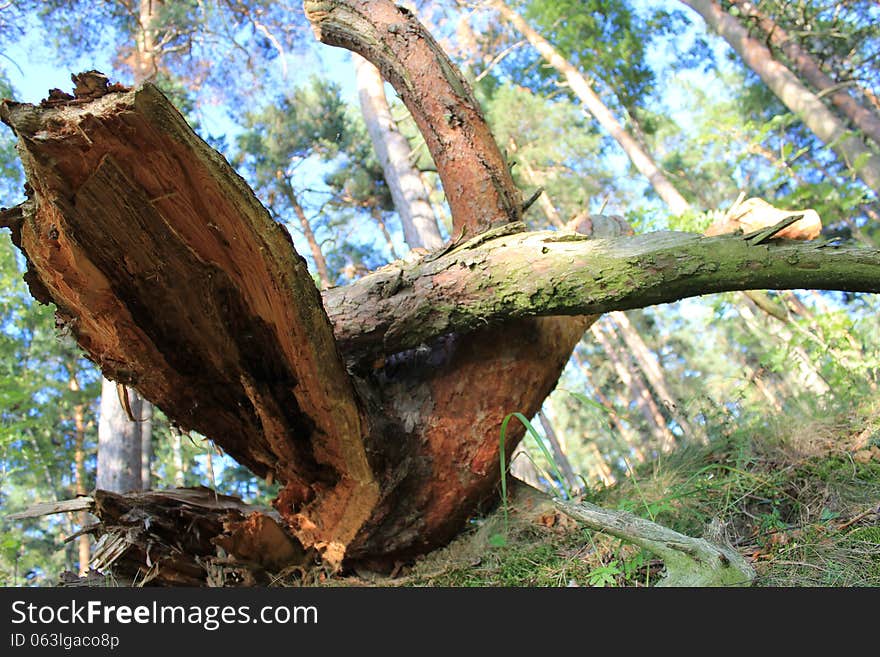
<point>556,272</point>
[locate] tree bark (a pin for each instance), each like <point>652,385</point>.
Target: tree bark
<point>863,118</point>
<point>452,431</point>
<point>553,272</point>
<point>120,440</point>
<point>594,105</point>
<point>410,197</point>
<point>793,94</point>
<point>241,349</point>
<point>473,171</point>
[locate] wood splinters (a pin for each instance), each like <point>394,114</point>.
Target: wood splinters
<point>125,401</point>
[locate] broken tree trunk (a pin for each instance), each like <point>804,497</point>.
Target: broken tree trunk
<point>176,281</point>
<point>438,392</point>
<point>182,537</point>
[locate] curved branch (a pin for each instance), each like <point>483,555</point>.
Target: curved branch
<point>561,273</point>
<point>476,179</point>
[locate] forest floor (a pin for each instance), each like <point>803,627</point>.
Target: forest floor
<point>799,499</point>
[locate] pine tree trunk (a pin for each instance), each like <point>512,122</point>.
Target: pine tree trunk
<point>637,390</point>
<point>79,459</point>
<point>793,94</point>
<point>582,89</point>
<point>647,363</point>
<point>804,64</point>
<point>146,430</point>
<point>558,452</point>
<point>410,197</point>
<point>177,458</point>
<point>119,442</point>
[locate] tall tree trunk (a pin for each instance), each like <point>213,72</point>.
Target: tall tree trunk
<point>314,247</point>
<point>794,95</point>
<point>79,459</point>
<point>409,194</point>
<point>638,390</point>
<point>120,440</point>
<point>651,368</point>
<point>177,457</point>
<point>582,89</point>
<point>756,378</point>
<point>146,59</point>
<point>558,453</point>
<point>804,64</point>
<point>146,430</point>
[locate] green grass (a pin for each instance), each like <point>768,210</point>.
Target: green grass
<point>797,497</point>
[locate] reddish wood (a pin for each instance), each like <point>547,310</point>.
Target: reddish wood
<point>176,281</point>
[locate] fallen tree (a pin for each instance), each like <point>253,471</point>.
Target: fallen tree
<point>379,406</point>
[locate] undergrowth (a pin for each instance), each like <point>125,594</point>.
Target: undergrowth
<point>798,498</point>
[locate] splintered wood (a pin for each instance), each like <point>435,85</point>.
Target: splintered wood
<point>190,537</point>
<point>177,282</point>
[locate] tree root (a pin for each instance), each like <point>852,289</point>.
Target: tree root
<point>689,561</point>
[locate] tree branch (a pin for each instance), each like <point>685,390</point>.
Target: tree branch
<point>476,179</point>
<point>562,273</point>
<point>689,561</point>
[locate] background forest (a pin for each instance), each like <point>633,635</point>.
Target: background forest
<point>757,409</point>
